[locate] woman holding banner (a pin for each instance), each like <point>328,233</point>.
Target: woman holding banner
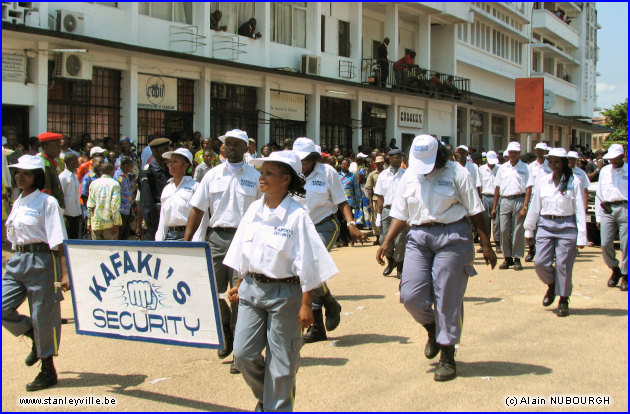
<point>36,270</point>
<point>281,260</point>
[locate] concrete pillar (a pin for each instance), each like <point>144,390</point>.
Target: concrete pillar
<point>38,114</point>
<point>391,29</point>
<point>313,111</point>
<point>262,14</point>
<point>201,119</point>
<point>488,140</point>
<point>129,100</point>
<point>391,125</point>
<point>314,28</point>
<point>356,38</point>
<point>356,112</point>
<point>201,19</point>
<point>423,54</point>
<point>264,105</point>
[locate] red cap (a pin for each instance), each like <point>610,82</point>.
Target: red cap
<point>49,136</point>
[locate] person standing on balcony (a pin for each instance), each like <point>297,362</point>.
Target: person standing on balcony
<point>249,29</point>
<point>401,65</point>
<point>215,19</point>
<point>383,61</point>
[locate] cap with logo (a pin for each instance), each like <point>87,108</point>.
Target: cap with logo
<point>179,151</point>
<point>304,146</point>
<point>28,162</point>
<point>235,133</point>
<point>614,151</point>
<point>289,157</point>
<point>422,154</point>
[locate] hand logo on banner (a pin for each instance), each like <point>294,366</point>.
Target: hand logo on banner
<point>140,293</point>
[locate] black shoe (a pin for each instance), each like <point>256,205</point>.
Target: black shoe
<point>624,283</point>
<point>333,315</point>
<point>32,358</point>
<point>46,377</point>
<point>531,254</point>
<point>390,267</point>
<point>228,345</point>
<point>316,332</point>
<point>614,278</point>
<point>432,348</point>
<point>446,368</point>
<point>259,407</point>
<point>507,263</point>
<point>64,321</point>
<point>233,369</point>
<point>399,270</point>
<point>480,250</point>
<point>517,264</point>
<point>563,307</point>
<point>550,296</point>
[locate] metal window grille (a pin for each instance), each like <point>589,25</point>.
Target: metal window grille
<point>281,129</point>
<point>374,128</point>
<point>233,106</point>
<point>335,124</point>
<point>76,107</point>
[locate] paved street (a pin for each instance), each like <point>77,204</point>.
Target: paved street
<point>511,346</point>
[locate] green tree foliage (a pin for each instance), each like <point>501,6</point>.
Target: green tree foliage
<point>617,118</point>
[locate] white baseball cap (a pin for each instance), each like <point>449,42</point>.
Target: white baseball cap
<point>97,150</point>
<point>485,154</point>
<point>505,153</point>
<point>422,154</point>
<point>542,146</point>
<point>235,133</point>
<point>181,151</point>
<point>573,154</point>
<point>289,157</point>
<point>28,162</point>
<point>614,151</point>
<point>557,152</point>
<point>318,149</point>
<point>492,157</point>
<point>464,147</point>
<point>514,146</point>
<point>304,146</point>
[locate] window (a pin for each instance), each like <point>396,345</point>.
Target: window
<point>233,106</point>
<point>288,24</point>
<point>335,123</point>
<point>344,38</point>
<point>233,14</point>
<point>180,12</point>
<point>323,34</point>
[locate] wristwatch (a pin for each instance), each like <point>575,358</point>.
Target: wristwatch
<point>351,223</point>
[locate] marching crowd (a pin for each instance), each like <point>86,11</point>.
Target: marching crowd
<point>270,221</point>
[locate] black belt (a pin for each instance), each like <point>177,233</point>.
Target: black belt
<point>327,219</point>
<point>34,247</point>
<point>225,229</point>
<point>618,203</point>
<point>177,228</point>
<point>513,196</point>
<point>435,224</point>
<point>293,280</point>
<point>552,217</point>
<point>488,195</point>
<point>388,206</point>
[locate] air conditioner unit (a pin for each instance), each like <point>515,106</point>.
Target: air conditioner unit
<point>311,64</point>
<point>73,66</point>
<point>70,22</point>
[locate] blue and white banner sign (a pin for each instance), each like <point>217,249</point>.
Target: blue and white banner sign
<point>146,291</point>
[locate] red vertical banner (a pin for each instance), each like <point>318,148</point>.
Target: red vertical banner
<point>529,105</point>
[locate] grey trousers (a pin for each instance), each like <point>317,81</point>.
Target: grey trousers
<point>512,230</point>
<point>32,276</point>
<point>397,249</point>
<point>494,229</point>
<point>328,232</point>
<point>557,239</point>
<point>438,262</point>
<point>608,227</point>
<point>219,244</point>
<point>268,316</point>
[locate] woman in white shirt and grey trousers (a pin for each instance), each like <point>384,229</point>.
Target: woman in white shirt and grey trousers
<point>557,210</point>
<point>280,260</point>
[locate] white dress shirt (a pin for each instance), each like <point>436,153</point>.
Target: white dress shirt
<point>324,193</point>
<point>473,170</point>
<point>536,171</point>
<point>444,196</point>
<point>387,183</point>
<point>176,208</point>
<point>280,243</point>
<point>512,180</point>
<point>71,187</point>
<point>613,186</point>
<point>36,218</point>
<point>488,176</point>
<point>580,174</point>
<point>226,192</point>
<point>547,200</point>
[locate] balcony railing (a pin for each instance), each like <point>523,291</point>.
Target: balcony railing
<point>414,79</point>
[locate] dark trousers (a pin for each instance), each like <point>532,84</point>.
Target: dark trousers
<point>123,232</point>
<point>73,226</point>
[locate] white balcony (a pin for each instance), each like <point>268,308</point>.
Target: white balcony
<point>558,86</point>
<point>546,23</point>
<point>552,51</point>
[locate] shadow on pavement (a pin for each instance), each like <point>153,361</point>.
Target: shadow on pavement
<point>315,361</point>
<point>359,297</point>
<point>496,369</point>
<point>179,401</point>
<point>598,312</point>
<point>362,339</point>
<point>482,301</point>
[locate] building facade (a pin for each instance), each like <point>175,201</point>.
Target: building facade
<point>141,69</point>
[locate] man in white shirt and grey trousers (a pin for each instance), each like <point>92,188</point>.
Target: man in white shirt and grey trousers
<point>226,192</point>
<point>611,212</point>
<point>70,185</point>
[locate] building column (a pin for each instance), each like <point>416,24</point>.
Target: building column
<point>391,29</point>
<point>262,14</point>
<point>356,37</point>
<point>314,28</point>
<point>202,117</point>
<point>264,105</point>
<point>423,54</point>
<point>313,111</point>
<point>356,113</point>
<point>487,140</point>
<point>129,100</point>
<point>38,114</point>
<point>391,126</point>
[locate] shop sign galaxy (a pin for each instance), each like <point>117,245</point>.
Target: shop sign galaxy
<point>146,291</point>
